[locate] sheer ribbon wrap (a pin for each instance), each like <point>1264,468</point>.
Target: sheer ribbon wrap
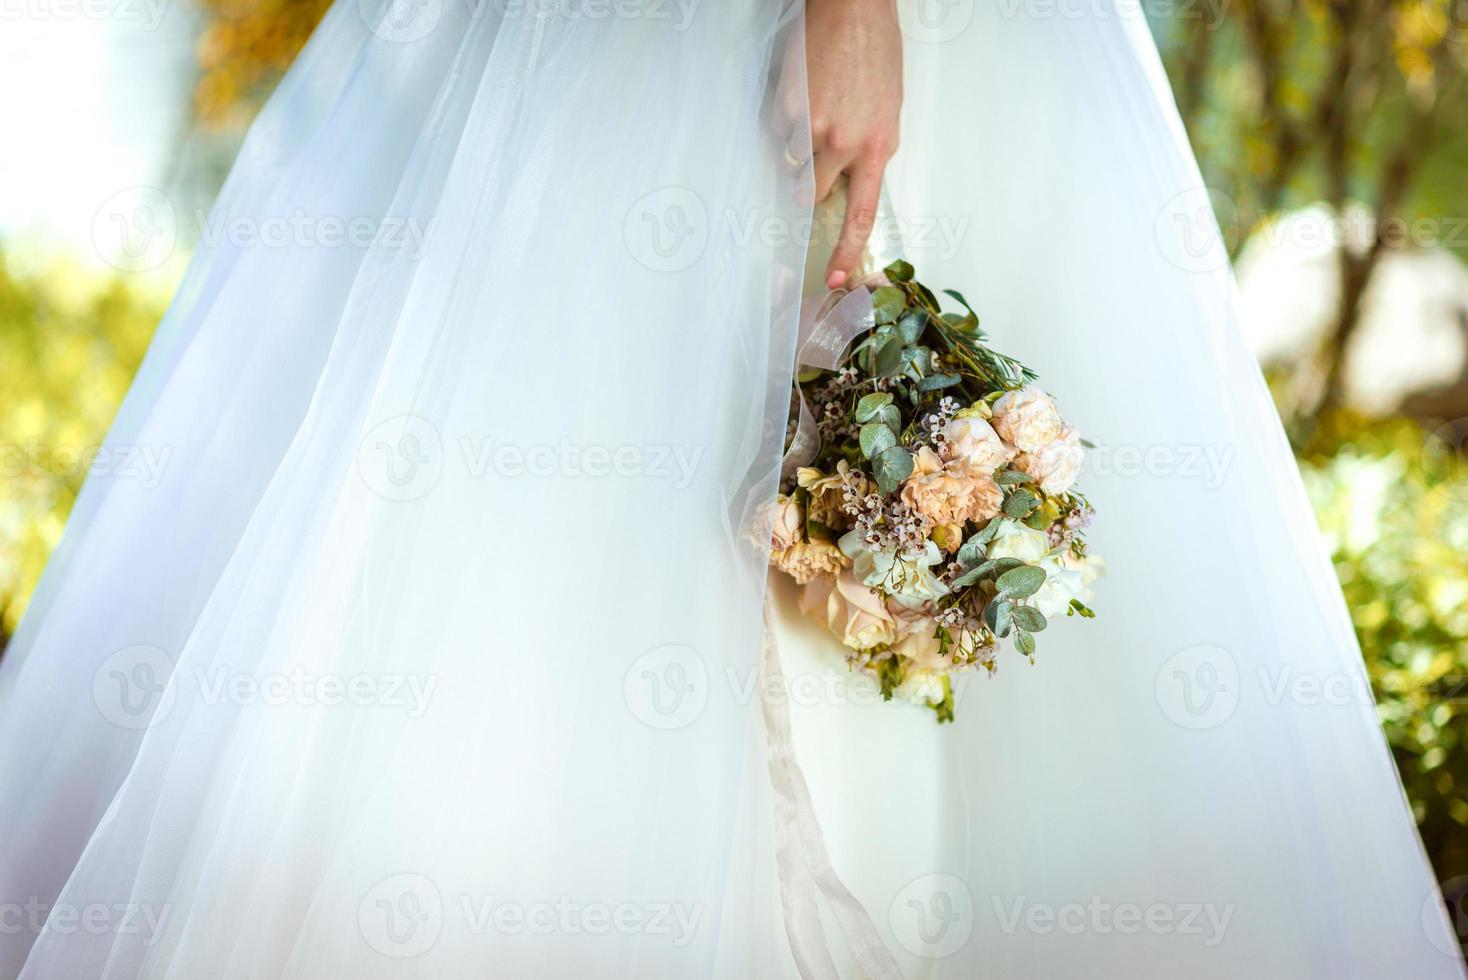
<point>434,652</point>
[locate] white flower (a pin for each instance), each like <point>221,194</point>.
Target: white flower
<point>1019,541</point>
<point>974,444</point>
<point>1066,577</point>
<point>908,579</point>
<point>1027,419</point>
<point>921,686</point>
<point>1054,466</point>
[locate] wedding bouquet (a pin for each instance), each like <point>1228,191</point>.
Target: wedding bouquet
<point>939,514</point>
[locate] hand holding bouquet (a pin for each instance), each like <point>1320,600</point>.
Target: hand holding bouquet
<point>939,514</point>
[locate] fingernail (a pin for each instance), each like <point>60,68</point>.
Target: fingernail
<point>835,280</point>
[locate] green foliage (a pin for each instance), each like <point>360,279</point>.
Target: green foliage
<point>70,341</point>
<point>1393,502</point>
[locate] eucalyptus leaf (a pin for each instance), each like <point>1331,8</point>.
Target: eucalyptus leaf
<point>1029,618</point>
<point>1009,477</point>
<point>998,616</point>
<point>968,578</point>
<point>892,466</point>
<point>910,325</point>
<point>890,416</point>
<point>1020,582</point>
<point>971,552</point>
<point>1020,503</point>
<point>935,382</point>
<point>889,358</point>
<point>899,271</point>
<point>888,303</point>
<point>990,530</point>
<point>809,375</point>
<point>1024,643</point>
<point>870,405</point>
<point>876,438</point>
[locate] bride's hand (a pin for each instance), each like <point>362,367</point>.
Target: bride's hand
<point>854,66</point>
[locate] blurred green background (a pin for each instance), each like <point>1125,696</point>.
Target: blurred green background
<point>1333,137</point>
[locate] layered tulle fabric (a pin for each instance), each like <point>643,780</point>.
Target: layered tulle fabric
<point>434,652</point>
<point>448,527</point>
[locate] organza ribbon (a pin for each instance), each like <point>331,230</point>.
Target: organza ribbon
<point>824,337</point>
<point>803,864</point>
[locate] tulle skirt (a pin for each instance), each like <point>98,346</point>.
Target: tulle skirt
<point>434,652</point>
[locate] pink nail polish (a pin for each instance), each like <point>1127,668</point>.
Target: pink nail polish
<point>835,280</point>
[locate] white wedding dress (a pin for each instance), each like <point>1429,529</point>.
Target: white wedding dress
<point>434,652</point>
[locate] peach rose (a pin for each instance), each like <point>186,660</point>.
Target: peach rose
<point>853,611</point>
<point>1056,465</point>
<point>947,494</point>
<point>787,523</point>
<point>806,561</point>
<point>973,443</point>
<point>1027,419</point>
<point>917,638</point>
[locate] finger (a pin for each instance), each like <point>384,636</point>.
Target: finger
<point>828,170</point>
<point>862,197</point>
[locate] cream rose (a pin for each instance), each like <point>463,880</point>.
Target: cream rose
<point>806,561</point>
<point>1019,541</point>
<point>949,494</point>
<point>972,443</point>
<point>921,686</point>
<point>1027,419</point>
<point>856,613</point>
<point>1054,466</point>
